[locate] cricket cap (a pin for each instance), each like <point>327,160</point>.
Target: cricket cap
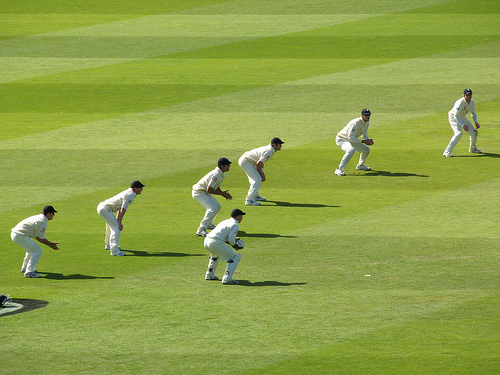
<point>237,212</point>
<point>137,184</point>
<point>366,112</point>
<point>276,141</point>
<point>467,92</point>
<point>48,210</point>
<point>223,161</point>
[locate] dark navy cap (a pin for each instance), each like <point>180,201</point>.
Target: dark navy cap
<point>48,210</point>
<point>237,212</point>
<point>223,161</point>
<point>137,184</point>
<point>276,141</point>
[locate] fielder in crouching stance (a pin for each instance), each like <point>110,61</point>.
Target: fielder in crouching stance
<point>203,190</point>
<point>252,162</point>
<point>33,227</point>
<point>216,244</point>
<point>348,140</point>
<point>119,203</point>
<point>457,117</point>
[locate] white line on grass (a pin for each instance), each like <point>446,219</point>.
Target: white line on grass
<point>192,282</point>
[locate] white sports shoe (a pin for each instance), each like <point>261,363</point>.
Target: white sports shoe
<point>201,232</point>
<point>339,172</point>
<point>260,198</point>
<point>24,270</point>
<point>208,277</point>
<point>229,282</point>
<point>475,151</point>
<point>32,275</point>
<point>118,253</point>
<point>362,167</point>
<point>252,203</point>
<point>448,154</point>
<point>211,227</point>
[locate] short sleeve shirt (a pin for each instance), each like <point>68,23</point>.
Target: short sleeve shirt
<point>261,154</point>
<point>213,179</point>
<point>119,201</point>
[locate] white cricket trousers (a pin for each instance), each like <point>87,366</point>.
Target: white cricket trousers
<point>219,249</point>
<point>350,149</point>
<point>254,178</point>
<point>210,203</point>
<point>457,133</point>
<point>112,232</point>
<point>33,251</point>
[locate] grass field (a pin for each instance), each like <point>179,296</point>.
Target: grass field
<point>392,271</point>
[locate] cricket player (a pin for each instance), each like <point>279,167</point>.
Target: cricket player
<point>252,162</point>
<point>216,244</point>
<point>119,205</point>
<point>203,193</point>
<point>458,120</point>
<point>348,140</point>
<point>33,227</point>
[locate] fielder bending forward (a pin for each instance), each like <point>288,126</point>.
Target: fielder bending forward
<point>457,117</point>
<point>348,140</point>
<point>203,193</point>
<point>216,244</point>
<point>33,227</point>
<point>252,162</point>
<point>119,204</point>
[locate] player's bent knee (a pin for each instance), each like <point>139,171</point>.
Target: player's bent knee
<point>213,210</point>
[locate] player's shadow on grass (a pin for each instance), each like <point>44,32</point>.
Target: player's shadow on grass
<point>141,253</point>
<point>390,174</point>
<point>26,305</point>
<point>481,155</point>
<point>242,233</point>
<point>267,283</point>
<point>289,204</point>
<point>76,276</point>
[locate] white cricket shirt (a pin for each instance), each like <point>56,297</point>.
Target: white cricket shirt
<point>462,108</point>
<point>226,231</point>
<point>34,226</point>
<point>262,154</point>
<point>354,129</point>
<point>119,201</point>
<point>213,179</point>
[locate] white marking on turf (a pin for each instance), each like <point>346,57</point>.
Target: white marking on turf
<point>192,282</point>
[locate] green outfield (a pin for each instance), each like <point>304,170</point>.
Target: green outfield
<point>391,271</point>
